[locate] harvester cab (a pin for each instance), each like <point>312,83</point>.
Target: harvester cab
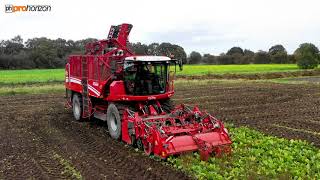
<point>148,75</point>
<point>133,93</point>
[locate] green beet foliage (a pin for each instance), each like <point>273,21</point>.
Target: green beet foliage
<point>256,156</point>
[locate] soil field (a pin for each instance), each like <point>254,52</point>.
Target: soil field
<point>286,110</point>
<point>252,76</point>
<point>39,138</point>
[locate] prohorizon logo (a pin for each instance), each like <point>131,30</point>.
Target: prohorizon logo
<point>9,8</point>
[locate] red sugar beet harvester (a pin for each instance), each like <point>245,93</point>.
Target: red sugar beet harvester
<point>132,93</point>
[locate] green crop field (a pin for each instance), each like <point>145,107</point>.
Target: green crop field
<point>31,76</point>
<point>55,75</point>
<point>236,69</point>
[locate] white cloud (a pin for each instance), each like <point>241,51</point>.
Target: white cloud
<point>211,26</point>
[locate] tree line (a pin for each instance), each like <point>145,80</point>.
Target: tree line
<point>306,56</point>
<point>47,53</point>
<point>38,52</point>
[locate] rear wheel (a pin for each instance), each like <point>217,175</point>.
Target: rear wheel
<point>114,116</point>
<point>77,106</point>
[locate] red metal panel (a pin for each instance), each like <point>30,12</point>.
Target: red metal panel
<point>117,93</point>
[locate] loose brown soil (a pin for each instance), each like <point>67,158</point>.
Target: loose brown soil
<point>39,138</point>
<point>289,111</point>
<point>255,76</point>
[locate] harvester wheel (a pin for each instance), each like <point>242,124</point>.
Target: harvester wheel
<point>77,107</point>
<point>114,121</point>
<point>167,105</point>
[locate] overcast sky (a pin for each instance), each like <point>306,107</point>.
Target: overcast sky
<point>207,26</point>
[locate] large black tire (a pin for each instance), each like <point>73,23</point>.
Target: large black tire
<point>77,107</point>
<point>167,105</point>
<point>114,115</point>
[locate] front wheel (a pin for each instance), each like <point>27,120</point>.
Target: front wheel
<point>114,121</point>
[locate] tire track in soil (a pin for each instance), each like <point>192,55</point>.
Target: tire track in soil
<point>28,161</point>
<point>23,153</point>
<point>93,145</point>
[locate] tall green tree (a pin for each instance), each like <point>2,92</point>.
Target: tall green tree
<point>248,57</point>
<point>307,56</point>
<point>262,57</point>
<point>176,51</point>
<point>235,55</point>
<point>224,59</point>
<point>13,46</point>
<point>139,48</point>
<point>44,53</point>
<point>278,54</point>
<point>209,59</point>
<point>153,49</point>
<point>276,48</point>
<point>195,57</point>
<point>235,50</point>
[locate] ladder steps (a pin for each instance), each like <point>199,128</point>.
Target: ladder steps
<point>86,104</point>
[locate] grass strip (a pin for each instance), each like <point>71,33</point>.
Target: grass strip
<point>32,89</point>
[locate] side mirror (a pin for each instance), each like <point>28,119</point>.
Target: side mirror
<point>180,65</point>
